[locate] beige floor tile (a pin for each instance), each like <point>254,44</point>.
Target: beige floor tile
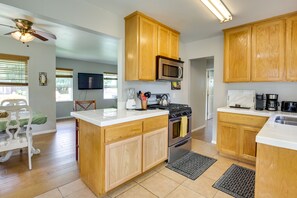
<point>173,175</point>
<point>160,167</point>
<point>51,194</point>
<point>145,176</point>
<point>223,162</point>
<point>85,193</point>
<point>201,185</point>
<point>250,166</point>
<point>72,187</point>
<point>204,148</point>
<point>183,192</point>
<point>137,192</point>
<point>122,188</point>
<point>221,194</point>
<point>214,172</point>
<point>159,184</point>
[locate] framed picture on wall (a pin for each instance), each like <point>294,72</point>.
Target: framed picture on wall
<point>175,85</point>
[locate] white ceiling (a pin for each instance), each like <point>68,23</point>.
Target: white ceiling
<point>190,17</point>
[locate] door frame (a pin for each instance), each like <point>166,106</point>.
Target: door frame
<point>206,90</point>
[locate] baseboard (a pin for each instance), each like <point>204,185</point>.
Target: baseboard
<point>44,132</point>
<point>213,141</point>
<point>201,127</point>
<point>64,118</point>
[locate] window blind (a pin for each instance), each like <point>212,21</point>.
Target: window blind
<point>110,80</point>
<point>13,70</point>
<point>64,73</point>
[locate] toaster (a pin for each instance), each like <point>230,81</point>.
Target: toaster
<point>289,106</point>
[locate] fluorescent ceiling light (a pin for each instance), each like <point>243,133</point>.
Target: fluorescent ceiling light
<point>23,37</point>
<point>218,8</point>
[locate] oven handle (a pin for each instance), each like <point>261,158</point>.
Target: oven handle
<point>180,144</point>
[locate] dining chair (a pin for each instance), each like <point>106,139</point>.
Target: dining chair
<point>17,133</point>
<point>13,102</point>
<point>81,105</point>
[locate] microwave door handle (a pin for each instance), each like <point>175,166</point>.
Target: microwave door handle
<point>180,72</point>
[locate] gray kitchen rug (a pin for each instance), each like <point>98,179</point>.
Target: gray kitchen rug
<point>237,181</point>
<point>192,165</point>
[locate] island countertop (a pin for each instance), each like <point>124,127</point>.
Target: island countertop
<point>272,133</point>
<point>111,116</point>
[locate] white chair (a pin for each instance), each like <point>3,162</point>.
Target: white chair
<point>18,134</point>
<point>13,102</point>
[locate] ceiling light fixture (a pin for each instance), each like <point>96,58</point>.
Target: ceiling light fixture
<point>219,9</point>
<point>23,37</point>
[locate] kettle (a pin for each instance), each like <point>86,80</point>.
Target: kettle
<point>164,100</point>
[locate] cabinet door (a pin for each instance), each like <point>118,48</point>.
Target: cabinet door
<point>155,146</point>
<point>147,49</point>
<point>268,44</point>
<point>237,62</point>
<point>248,146</point>
<point>123,161</point>
<point>228,136</point>
<point>163,41</point>
<point>291,49</point>
<point>174,45</point>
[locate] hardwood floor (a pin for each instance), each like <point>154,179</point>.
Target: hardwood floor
<point>53,167</point>
<point>204,134</point>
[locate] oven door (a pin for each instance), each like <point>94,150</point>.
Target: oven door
<point>174,130</point>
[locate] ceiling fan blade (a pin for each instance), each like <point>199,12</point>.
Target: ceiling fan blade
<point>8,26</point>
<point>46,34</point>
<point>10,32</point>
<point>39,36</point>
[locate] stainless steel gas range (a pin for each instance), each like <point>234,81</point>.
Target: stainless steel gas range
<point>177,145</point>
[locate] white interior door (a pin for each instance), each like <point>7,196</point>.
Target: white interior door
<point>209,93</point>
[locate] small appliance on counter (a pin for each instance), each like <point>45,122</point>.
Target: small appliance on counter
<point>242,99</point>
<point>260,101</point>
<point>271,102</point>
<point>131,103</point>
<point>289,106</point>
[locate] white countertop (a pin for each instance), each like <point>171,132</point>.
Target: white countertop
<point>274,134</point>
<point>106,117</point>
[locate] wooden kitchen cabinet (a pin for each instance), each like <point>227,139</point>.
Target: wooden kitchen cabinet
<point>237,54</point>
<point>123,161</point>
<point>155,146</point>
<point>268,51</point>
<point>145,38</point>
<point>236,135</point>
<point>291,48</point>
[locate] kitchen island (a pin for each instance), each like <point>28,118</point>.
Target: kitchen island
<point>276,151</point>
<point>117,145</point>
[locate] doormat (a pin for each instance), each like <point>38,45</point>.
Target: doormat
<point>237,181</point>
<point>192,165</point>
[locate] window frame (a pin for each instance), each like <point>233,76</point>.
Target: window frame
<point>116,79</point>
<point>65,76</point>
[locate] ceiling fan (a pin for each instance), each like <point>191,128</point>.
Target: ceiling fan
<point>24,32</point>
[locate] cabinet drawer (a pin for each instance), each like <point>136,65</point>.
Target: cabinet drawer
<point>255,121</point>
<point>122,131</point>
<point>151,124</point>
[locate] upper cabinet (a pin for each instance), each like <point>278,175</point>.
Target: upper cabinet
<point>237,54</point>
<point>291,48</point>
<point>145,38</point>
<point>268,48</point>
<point>263,51</point>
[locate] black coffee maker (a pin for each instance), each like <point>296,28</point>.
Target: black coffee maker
<point>271,102</point>
<point>259,102</point>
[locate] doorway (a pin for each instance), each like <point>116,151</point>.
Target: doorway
<point>202,97</point>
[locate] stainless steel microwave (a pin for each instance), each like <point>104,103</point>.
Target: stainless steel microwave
<point>169,69</point>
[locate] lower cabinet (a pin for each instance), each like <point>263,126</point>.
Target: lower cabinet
<point>155,146</point>
<point>236,135</point>
<point>123,161</point>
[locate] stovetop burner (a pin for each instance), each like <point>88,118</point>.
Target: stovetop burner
<point>175,110</point>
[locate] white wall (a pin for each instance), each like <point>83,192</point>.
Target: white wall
<point>198,91</point>
<point>42,59</point>
<point>63,109</point>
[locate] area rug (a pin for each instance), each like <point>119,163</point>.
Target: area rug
<point>192,165</point>
<point>237,181</point>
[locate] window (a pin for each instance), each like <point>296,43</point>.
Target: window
<point>64,84</point>
<point>13,77</point>
<point>110,82</point>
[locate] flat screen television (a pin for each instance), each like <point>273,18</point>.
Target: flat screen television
<point>90,81</point>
